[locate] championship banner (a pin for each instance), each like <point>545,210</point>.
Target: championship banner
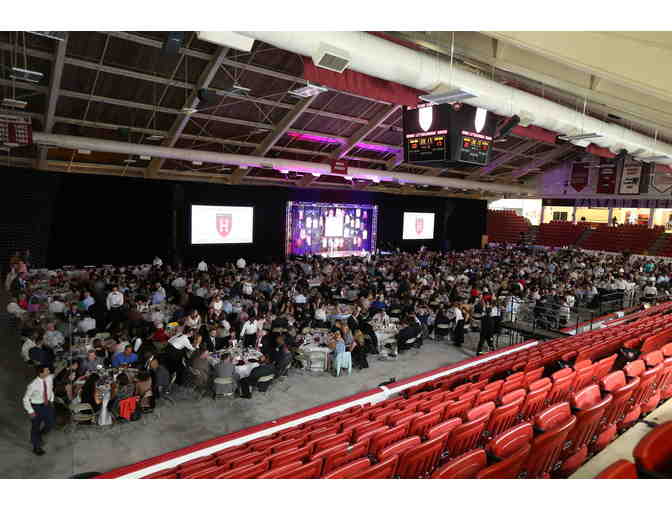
<point>580,175</point>
<point>645,181</point>
<point>662,178</point>
<point>630,180</point>
<point>606,177</point>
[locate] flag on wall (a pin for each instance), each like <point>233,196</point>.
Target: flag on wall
<point>579,178</point>
<point>606,177</point>
<point>630,179</point>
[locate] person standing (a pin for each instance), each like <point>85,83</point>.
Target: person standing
<point>38,403</point>
<point>115,302</point>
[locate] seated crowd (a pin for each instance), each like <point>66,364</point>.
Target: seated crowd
<point>167,320</point>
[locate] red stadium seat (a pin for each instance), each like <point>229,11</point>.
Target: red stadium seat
<point>421,424</point>
<point>535,400</point>
<point>653,453</point>
<point>384,469</point>
<point>328,442</point>
<point>621,469</point>
<point>603,367</point>
<point>456,409</point>
<point>349,454</point>
<point>562,386</point>
<point>589,408</point>
<point>443,429</point>
<point>246,471</point>
<point>350,470</point>
<point>359,431</point>
<point>483,410</point>
<point>421,461</point>
<point>281,471</point>
<point>645,392</point>
<point>533,375</point>
<point>464,466</point>
<point>556,422</point>
<point>249,458</point>
<point>510,467</point>
<point>163,474</point>
<point>286,445</point>
<point>511,441</point>
<point>503,418</point>
<point>295,470</point>
<point>288,456</point>
<point>465,437</point>
<point>386,438</point>
<point>621,390</point>
<point>209,472</point>
<point>584,375</point>
<point>399,447</point>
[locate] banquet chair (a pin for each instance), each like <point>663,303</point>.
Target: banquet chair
<point>82,414</point>
<point>442,331</point>
<point>263,383</point>
<point>218,383</point>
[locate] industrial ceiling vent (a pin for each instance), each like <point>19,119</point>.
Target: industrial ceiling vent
<point>331,58</point>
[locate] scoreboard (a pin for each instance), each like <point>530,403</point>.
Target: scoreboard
<point>435,135</point>
<point>473,148</point>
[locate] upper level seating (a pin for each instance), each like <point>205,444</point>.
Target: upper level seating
<point>535,420</point>
<point>560,233</point>
<point>506,226</point>
<point>631,238</point>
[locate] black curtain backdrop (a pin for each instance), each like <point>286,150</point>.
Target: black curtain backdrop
<point>93,220</point>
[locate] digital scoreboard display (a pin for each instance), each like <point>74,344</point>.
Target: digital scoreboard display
<point>437,134</point>
<point>426,135</point>
<point>473,148</point>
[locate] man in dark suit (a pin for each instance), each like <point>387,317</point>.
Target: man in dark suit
<point>409,329</point>
<point>265,368</point>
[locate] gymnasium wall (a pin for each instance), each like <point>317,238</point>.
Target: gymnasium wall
<point>92,220</point>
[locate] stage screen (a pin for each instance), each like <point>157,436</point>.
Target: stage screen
<point>418,225</point>
<point>332,230</point>
<point>219,224</point>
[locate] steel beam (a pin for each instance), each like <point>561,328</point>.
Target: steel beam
<point>364,131</point>
<point>518,151</point>
<point>192,101</point>
<point>547,157</point>
<point>52,95</point>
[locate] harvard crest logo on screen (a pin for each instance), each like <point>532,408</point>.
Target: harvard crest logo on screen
<point>419,225</point>
<point>224,224</point>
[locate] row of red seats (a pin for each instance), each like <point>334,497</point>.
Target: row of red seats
<point>441,421</point>
<point>506,226</point>
<point>560,233</point>
<point>633,238</point>
<point>653,457</point>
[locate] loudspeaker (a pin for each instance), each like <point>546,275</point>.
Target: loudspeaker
<point>173,43</point>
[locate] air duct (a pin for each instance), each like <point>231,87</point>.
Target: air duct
<point>99,145</point>
<point>382,59</point>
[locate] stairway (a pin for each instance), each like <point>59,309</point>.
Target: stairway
<point>583,237</point>
<point>662,241</point>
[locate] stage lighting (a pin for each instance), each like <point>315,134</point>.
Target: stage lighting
<point>508,126</point>
<point>309,90</point>
<point>20,74</point>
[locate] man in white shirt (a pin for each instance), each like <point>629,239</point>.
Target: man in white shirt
<point>86,324</point>
<point>240,263</point>
<point>178,346</point>
<point>57,306</point>
<point>52,337</point>
<point>38,403</point>
<point>202,266</point>
<point>114,302</point>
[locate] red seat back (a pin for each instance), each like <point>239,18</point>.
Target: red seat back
<point>546,449</point>
<point>246,471</point>
<point>465,437</point>
<point>590,409</point>
<point>386,438</point>
<point>514,396</point>
<point>621,469</point>
<point>584,375</point>
<point>399,447</point>
<point>503,418</point>
<point>509,467</point>
<point>604,366</point>
<point>562,387</point>
<point>421,424</point>
<point>615,385</point>
<point>344,456</point>
<point>464,466</point>
<point>288,456</point>
<point>350,470</point>
<point>511,441</point>
<point>443,429</point>
<point>456,409</point>
<point>484,410</point>
<point>653,453</point>
<point>535,401</point>
<point>384,469</point>
<point>420,462</point>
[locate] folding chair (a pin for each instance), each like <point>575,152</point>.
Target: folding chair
<point>221,381</point>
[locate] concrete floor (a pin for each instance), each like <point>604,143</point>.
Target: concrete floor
<point>188,422</point>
